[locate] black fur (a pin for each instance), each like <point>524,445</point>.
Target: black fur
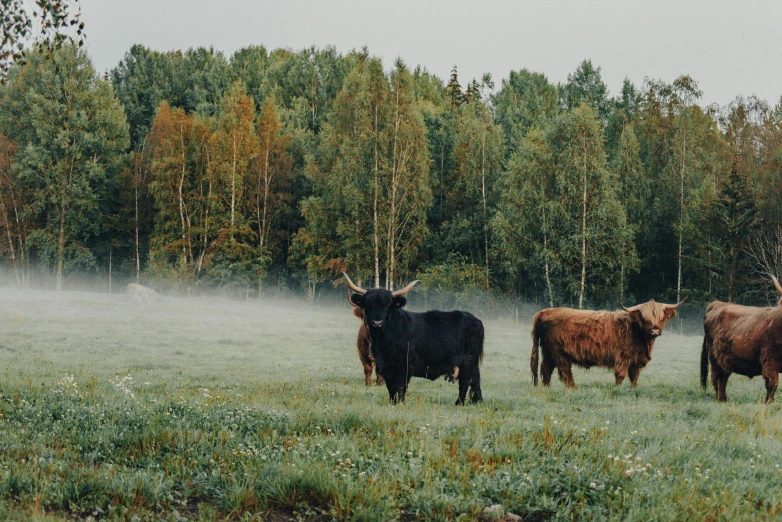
<point>430,344</point>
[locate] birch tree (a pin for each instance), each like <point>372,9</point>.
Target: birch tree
<point>477,159</point>
<point>523,225</point>
<point>271,169</point>
<point>594,230</point>
<point>407,191</point>
<point>633,192</point>
<point>177,144</point>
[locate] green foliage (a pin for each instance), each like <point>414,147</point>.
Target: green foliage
<point>470,191</point>
<point>56,22</point>
<point>589,226</point>
<point>74,133</point>
<point>387,172</point>
<point>523,222</point>
<point>586,86</point>
<point>372,192</point>
<point>525,99</point>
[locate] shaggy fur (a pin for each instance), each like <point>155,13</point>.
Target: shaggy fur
<point>621,340</point>
<point>430,345</point>
<point>363,342</point>
<point>742,339</point>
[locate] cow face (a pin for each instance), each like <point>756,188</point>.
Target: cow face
<point>376,305</point>
<point>650,317</point>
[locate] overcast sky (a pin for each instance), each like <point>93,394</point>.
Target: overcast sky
<point>730,47</point>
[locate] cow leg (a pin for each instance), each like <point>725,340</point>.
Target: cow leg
<point>396,389</point>
<point>475,387</point>
<point>723,394</point>
<point>771,376</point>
<point>634,372</point>
<point>367,374</point>
<point>364,355</point>
<point>546,369</point>
<point>620,372</point>
<point>464,383</point>
<point>565,374</point>
<point>719,379</point>
<point>378,378</point>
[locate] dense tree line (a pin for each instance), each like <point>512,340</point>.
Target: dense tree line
<point>285,168</point>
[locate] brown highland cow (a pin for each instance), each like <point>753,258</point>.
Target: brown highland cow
<point>742,339</point>
<point>621,340</point>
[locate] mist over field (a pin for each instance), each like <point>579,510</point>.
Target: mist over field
<point>210,408</point>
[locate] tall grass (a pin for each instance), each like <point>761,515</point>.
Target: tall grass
<point>209,409</point>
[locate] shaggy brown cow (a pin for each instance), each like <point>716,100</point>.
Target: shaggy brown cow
<point>742,339</point>
<point>621,340</point>
<point>363,342</point>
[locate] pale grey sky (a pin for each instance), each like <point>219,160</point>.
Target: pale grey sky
<point>730,47</point>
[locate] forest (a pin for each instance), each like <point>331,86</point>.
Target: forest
<point>193,171</point>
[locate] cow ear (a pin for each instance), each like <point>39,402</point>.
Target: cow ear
<point>670,313</point>
<point>357,299</point>
<point>635,316</point>
<point>400,301</point>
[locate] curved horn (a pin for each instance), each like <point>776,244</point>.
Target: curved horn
<point>776,283</point>
<point>352,286</point>
<point>677,304</point>
<point>406,289</point>
<point>351,301</point>
<point>631,309</point>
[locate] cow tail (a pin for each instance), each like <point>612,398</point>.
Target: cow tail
<point>533,361</point>
<point>705,361</point>
<point>480,343</point>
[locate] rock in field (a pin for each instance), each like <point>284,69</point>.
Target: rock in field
<point>142,294</point>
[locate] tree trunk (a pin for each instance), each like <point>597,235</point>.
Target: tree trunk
<point>583,232</point>
<point>374,219</point>
<point>395,165</point>
<point>483,199</point>
<point>548,277</point>
<point>61,246</point>
<point>138,261</point>
<point>267,179</point>
<point>206,222</point>
<point>137,181</point>
<point>11,248</point>
<point>182,201</point>
<point>20,240</point>
<point>681,223</point>
<point>233,185</point>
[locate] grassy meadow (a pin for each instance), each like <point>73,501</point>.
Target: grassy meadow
<point>209,409</point>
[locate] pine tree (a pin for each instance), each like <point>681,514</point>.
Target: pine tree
<point>453,91</point>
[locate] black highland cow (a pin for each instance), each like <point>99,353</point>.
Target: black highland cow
<point>430,344</point>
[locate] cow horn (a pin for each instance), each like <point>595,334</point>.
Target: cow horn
<point>353,287</point>
<point>776,283</point>
<point>631,309</point>
<point>351,301</point>
<point>406,289</point>
<point>677,304</point>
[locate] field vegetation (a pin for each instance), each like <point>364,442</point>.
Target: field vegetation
<point>205,409</point>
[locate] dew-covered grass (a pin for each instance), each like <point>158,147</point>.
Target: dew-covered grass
<point>205,409</point>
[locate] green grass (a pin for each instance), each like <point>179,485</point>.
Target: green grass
<point>209,409</point>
